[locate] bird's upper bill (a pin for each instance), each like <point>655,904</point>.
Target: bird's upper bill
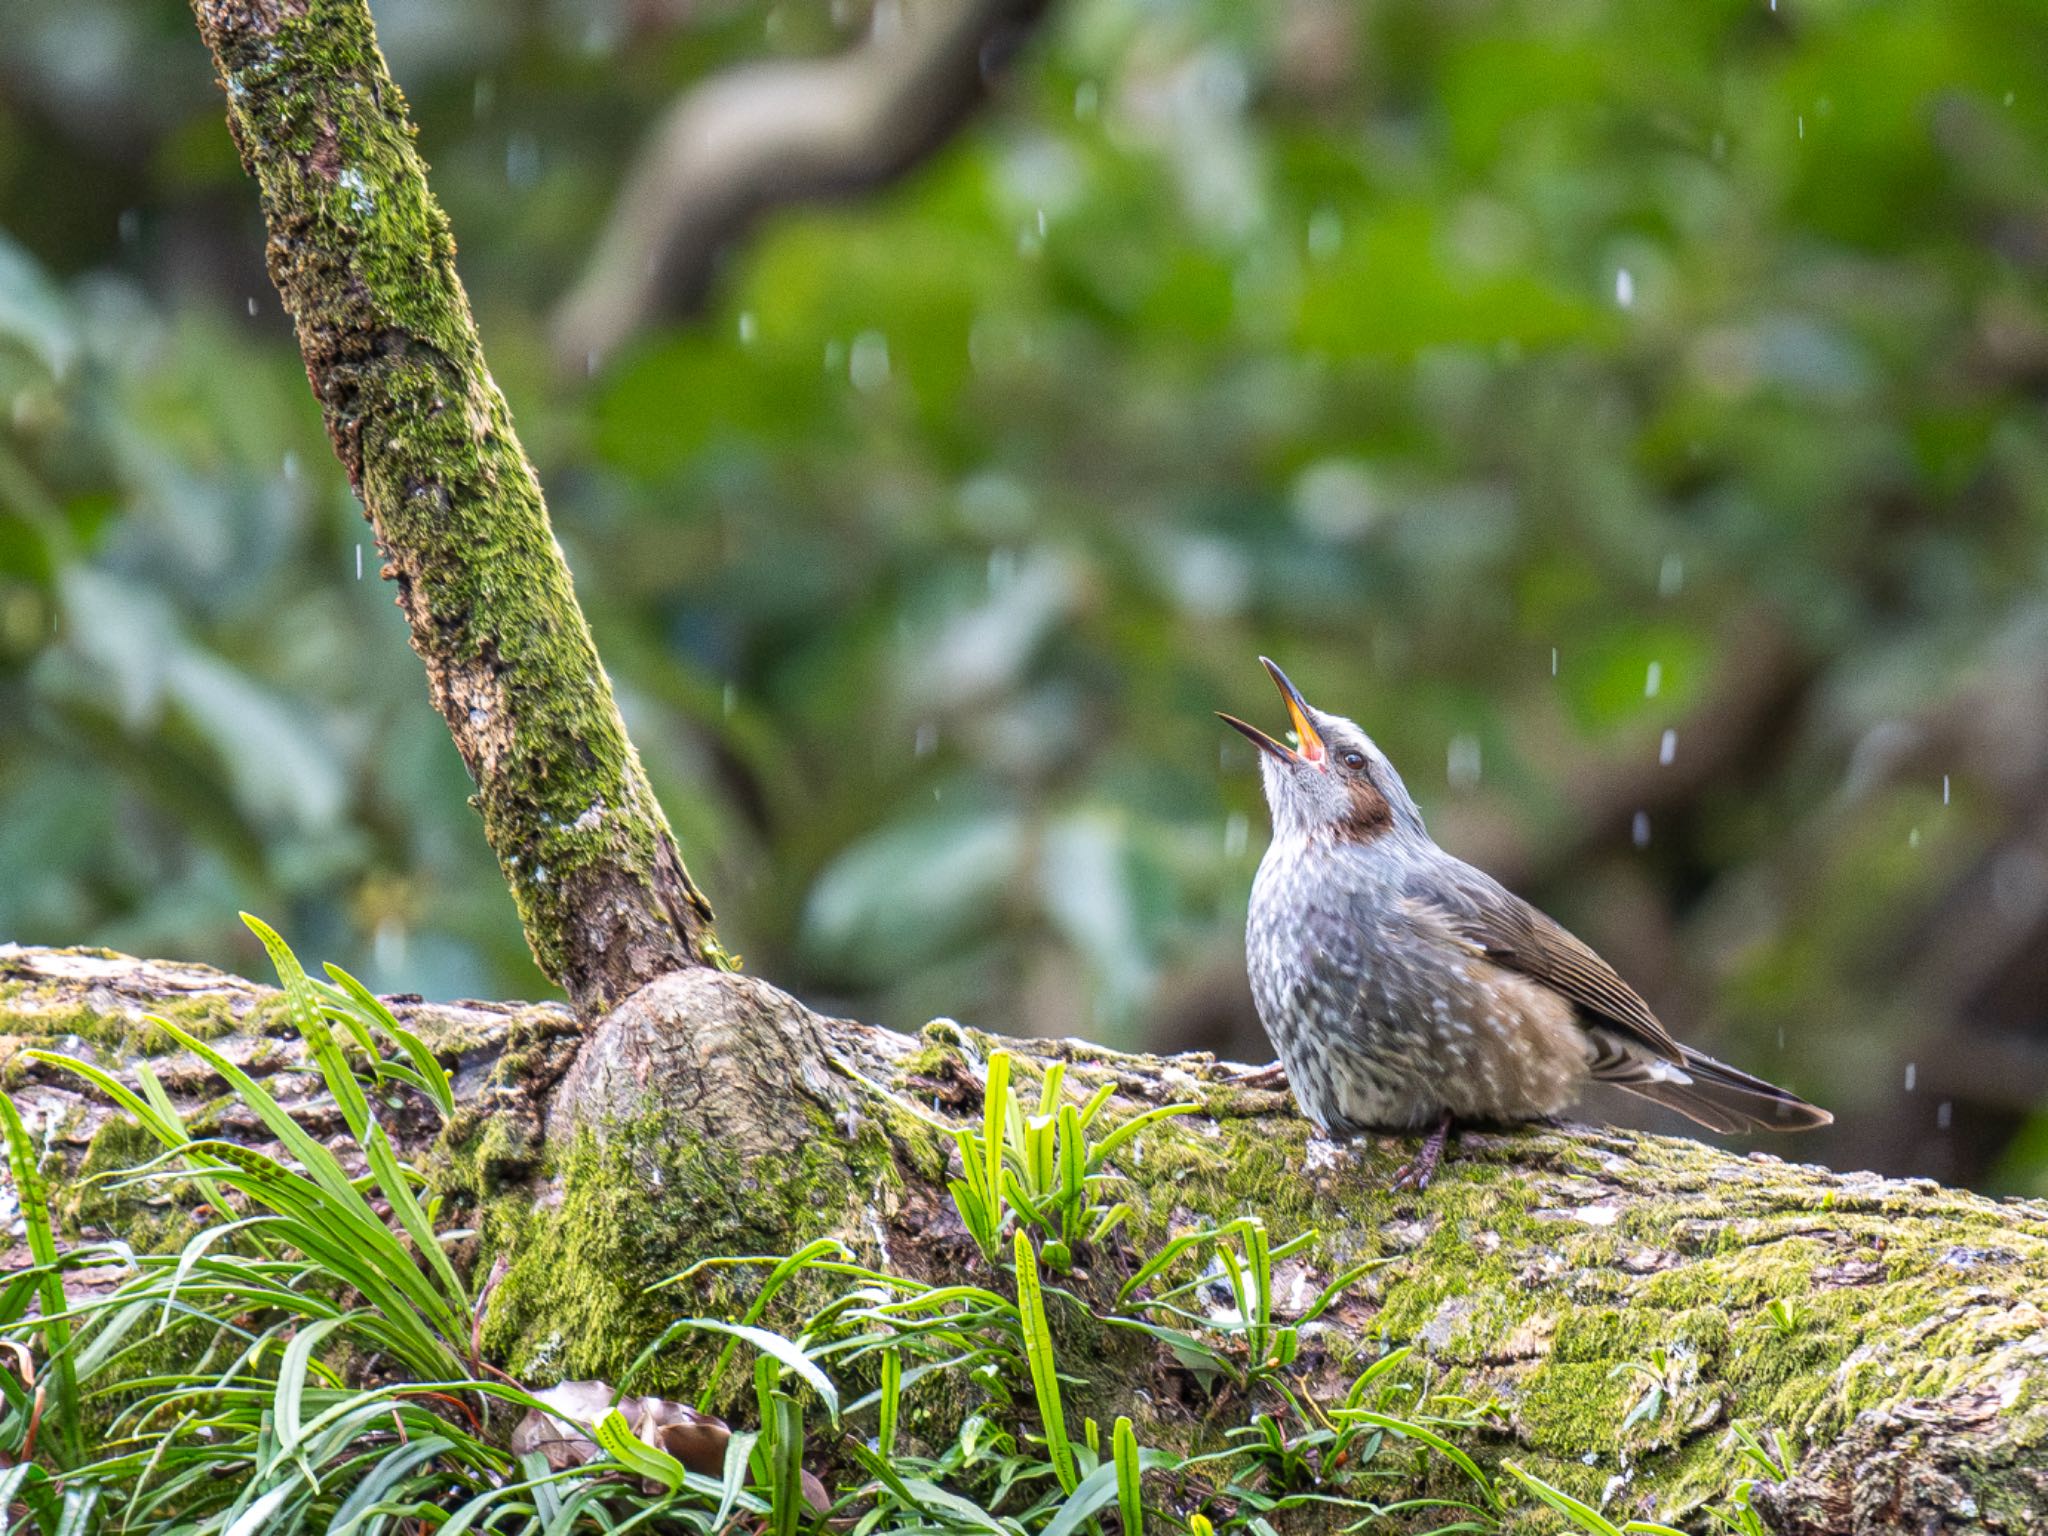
<point>1311,750</point>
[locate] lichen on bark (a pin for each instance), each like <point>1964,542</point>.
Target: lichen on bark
<point>365,263</point>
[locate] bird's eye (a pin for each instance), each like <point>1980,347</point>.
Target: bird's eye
<point>1354,760</point>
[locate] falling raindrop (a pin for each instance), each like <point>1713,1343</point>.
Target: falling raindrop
<point>1913,838</point>
<point>1802,125</point>
<point>1553,661</point>
<point>1653,680</point>
<point>927,739</point>
<point>1671,575</point>
<point>1640,831</point>
<point>1912,1075</point>
<point>1462,765</point>
<point>252,306</point>
<point>1325,233</point>
<point>1667,749</point>
<point>1944,1113</point>
<point>730,699</point>
<point>290,465</point>
<point>1087,97</point>
<point>359,562</point>
<point>522,160</point>
<point>1944,789</point>
<point>749,328</point>
<point>1625,288</point>
<point>868,364</point>
<point>1237,835</point>
<point>1041,223</point>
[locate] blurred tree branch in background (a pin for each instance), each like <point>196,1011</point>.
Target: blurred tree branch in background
<point>765,136</point>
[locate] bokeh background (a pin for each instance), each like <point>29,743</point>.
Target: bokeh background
<point>1630,410</point>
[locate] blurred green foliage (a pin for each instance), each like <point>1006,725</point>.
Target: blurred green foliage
<point>1532,379</point>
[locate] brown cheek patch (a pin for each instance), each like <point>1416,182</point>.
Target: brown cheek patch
<point>1370,815</point>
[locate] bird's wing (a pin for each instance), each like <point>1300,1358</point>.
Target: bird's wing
<point>1511,933</point>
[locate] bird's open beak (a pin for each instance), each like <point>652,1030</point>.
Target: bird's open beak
<point>1311,750</point>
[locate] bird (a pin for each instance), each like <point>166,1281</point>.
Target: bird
<point>1405,990</point>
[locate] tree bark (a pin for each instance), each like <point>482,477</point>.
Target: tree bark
<point>1891,1333</point>
<point>365,263</point>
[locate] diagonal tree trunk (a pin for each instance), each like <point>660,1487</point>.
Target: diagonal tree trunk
<point>365,262</point>
<point>1890,1333</point>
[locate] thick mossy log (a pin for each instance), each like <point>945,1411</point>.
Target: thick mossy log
<point>1892,1332</point>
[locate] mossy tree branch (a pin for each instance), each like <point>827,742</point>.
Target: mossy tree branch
<point>364,260</point>
<point>1890,1333</point>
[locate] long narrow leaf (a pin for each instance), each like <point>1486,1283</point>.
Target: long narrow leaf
<point>1130,1495</point>
<point>1045,1380</point>
<point>631,1452</point>
<point>431,1077</point>
<point>784,1351</point>
<point>311,1022</point>
<point>33,1197</point>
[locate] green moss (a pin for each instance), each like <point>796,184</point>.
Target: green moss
<point>365,261</point>
<point>150,1221</point>
<point>641,1204</point>
<point>51,1017</point>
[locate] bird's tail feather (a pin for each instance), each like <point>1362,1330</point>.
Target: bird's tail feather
<point>1720,1097</point>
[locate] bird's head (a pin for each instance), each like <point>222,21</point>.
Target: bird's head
<point>1333,782</point>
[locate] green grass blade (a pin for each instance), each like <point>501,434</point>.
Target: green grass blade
<point>784,1351</point>
<point>1096,1100</point>
<point>291,1384</point>
<point>319,1163</point>
<point>396,1185</point>
<point>1130,1496</point>
<point>1410,1430</point>
<point>1038,1355</point>
<point>1581,1514</point>
<point>1111,1144</point>
<point>433,1078</point>
<point>994,1128</point>
<point>170,1132</point>
<point>34,1198</point>
<point>891,1395</point>
<point>310,1019</point>
<point>619,1442</point>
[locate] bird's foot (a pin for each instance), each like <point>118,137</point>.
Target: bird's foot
<point>1417,1174</point>
<point>1272,1077</point>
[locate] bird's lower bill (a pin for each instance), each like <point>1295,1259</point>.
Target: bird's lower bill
<point>1311,750</point>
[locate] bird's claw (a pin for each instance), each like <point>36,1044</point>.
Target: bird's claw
<point>1271,1077</point>
<point>1417,1174</point>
